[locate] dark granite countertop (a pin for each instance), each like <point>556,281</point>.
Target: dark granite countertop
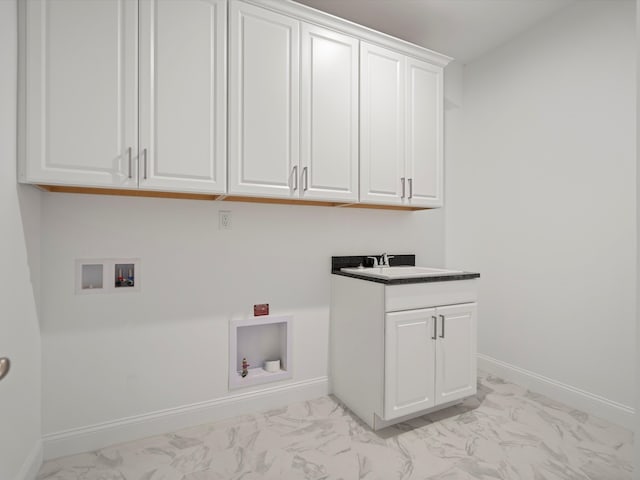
<point>399,260</point>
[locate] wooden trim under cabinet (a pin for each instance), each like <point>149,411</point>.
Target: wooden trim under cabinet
<point>126,193</point>
<point>225,198</point>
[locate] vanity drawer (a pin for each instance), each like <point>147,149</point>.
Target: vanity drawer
<point>431,294</point>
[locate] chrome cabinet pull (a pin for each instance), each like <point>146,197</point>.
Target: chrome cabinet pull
<point>411,188</point>
<point>402,180</point>
<point>130,171</point>
<point>435,328</point>
<point>442,318</point>
<point>5,365</point>
<point>295,177</point>
<point>305,173</point>
<point>144,152</point>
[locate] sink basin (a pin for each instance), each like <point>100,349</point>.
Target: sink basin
<point>392,273</point>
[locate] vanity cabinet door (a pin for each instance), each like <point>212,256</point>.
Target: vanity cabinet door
<point>263,102</point>
<point>329,115</point>
<point>183,95</point>
<point>79,104</point>
<point>456,370</point>
<point>409,362</point>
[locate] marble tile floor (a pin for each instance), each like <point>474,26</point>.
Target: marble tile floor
<point>505,432</point>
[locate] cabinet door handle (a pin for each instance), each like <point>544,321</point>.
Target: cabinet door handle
<point>411,188</point>
<point>402,181</point>
<point>442,318</point>
<point>305,173</point>
<point>435,328</point>
<point>144,152</point>
<point>294,172</point>
<point>130,171</point>
<point>5,365</point>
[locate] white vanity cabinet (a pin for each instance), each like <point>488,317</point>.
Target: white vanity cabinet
<point>430,358</point>
<point>399,351</point>
<point>124,94</point>
<point>401,129</point>
<point>293,97</point>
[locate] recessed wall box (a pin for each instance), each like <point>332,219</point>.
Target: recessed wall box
<point>91,276</point>
<point>107,275</point>
<point>259,340</point>
<point>124,275</point>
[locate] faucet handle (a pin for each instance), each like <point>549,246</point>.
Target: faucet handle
<point>375,261</point>
<point>389,257</point>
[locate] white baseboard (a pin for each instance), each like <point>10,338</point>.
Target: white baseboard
<point>582,400</point>
<point>32,463</point>
<point>92,437</point>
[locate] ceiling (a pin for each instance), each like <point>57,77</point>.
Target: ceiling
<point>462,29</point>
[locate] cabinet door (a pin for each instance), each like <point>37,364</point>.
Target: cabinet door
<point>263,102</point>
<point>409,362</point>
<point>329,115</point>
<point>80,95</point>
<point>424,166</point>
<point>182,95</point>
<point>456,352</point>
<point>382,117</point>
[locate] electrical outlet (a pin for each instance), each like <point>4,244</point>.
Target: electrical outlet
<point>224,219</point>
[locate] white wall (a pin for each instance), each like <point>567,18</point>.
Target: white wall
<point>107,357</point>
<point>515,214</point>
<point>20,451</point>
<point>541,201</point>
<point>636,469</point>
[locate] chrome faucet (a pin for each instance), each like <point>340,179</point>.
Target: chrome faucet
<point>384,260</point>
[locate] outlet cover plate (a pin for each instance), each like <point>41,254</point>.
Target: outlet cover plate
<point>224,219</point>
<point>260,309</point>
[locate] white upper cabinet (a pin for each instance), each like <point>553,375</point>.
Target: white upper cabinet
<point>382,117</point>
<point>182,95</point>
<point>329,115</point>
<point>293,117</point>
<point>263,102</point>
<point>424,139</point>
<point>400,129</point>
<point>292,104</point>
<point>79,92</point>
<point>85,65</point>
